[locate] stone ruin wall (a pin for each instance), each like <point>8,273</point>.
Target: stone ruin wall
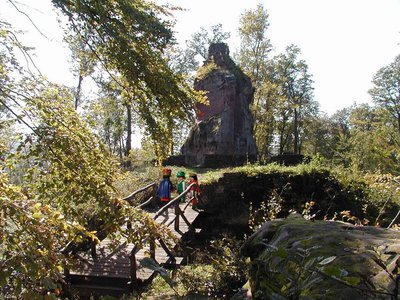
<point>222,135</point>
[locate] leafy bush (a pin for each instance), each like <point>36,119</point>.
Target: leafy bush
<point>217,273</point>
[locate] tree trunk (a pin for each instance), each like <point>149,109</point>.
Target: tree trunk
<point>398,122</point>
<point>296,148</point>
<point>78,92</point>
<point>129,134</point>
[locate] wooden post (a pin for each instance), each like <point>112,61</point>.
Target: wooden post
<point>169,253</point>
<point>152,248</point>
<point>133,270</point>
<point>93,249</point>
<point>66,270</point>
<point>177,213</point>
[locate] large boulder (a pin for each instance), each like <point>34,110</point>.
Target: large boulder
<point>300,259</point>
<point>223,134</point>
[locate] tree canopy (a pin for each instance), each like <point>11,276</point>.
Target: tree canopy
<point>128,38</point>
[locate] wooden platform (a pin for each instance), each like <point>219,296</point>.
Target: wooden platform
<point>114,265</point>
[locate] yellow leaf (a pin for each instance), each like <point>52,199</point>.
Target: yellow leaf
<point>37,215</point>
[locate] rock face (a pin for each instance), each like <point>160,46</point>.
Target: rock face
<point>229,202</point>
<point>223,133</point>
<point>300,259</point>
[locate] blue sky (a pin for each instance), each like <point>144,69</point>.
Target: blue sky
<point>344,42</point>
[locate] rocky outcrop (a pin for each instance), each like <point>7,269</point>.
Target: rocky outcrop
<point>223,133</point>
<point>300,259</point>
<point>237,197</point>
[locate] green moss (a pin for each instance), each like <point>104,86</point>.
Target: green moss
<point>206,70</point>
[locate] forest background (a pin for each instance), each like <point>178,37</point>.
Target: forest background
<point>62,152</point>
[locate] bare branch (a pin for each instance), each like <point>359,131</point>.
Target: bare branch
<point>29,18</point>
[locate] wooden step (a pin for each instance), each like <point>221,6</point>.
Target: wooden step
<point>100,288</point>
<point>96,291</point>
<point>109,272</point>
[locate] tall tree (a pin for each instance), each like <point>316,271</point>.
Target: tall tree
<point>340,136</point>
<point>255,46</point>
<point>200,40</point>
<point>386,92</point>
<point>83,62</point>
<point>109,117</point>
<point>254,61</point>
<point>317,136</point>
<point>296,87</point>
<point>128,38</point>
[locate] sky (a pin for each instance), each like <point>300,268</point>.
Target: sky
<point>344,42</point>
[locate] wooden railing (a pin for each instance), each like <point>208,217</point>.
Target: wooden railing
<point>178,212</point>
<point>152,242</point>
<point>129,198</point>
<point>132,196</point>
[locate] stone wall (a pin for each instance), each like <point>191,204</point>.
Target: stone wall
<point>226,203</point>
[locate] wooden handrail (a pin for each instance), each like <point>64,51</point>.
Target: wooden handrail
<point>133,269</point>
<point>173,201</point>
<point>129,197</point>
<point>178,212</point>
<point>147,202</point>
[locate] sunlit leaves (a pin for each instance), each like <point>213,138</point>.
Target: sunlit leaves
<point>31,236</point>
<point>386,90</point>
<point>201,40</point>
<point>295,85</point>
<point>67,194</point>
<point>254,61</point>
<point>128,39</point>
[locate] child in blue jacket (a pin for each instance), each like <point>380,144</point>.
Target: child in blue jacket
<point>165,187</point>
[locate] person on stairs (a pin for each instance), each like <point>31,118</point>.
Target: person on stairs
<point>165,187</point>
<point>195,191</point>
<point>181,186</point>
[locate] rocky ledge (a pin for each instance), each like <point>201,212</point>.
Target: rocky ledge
<point>294,258</point>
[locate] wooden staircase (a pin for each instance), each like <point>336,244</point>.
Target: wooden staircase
<point>118,271</point>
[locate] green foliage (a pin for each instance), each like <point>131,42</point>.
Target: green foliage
<point>203,38</point>
<point>254,61</point>
<point>68,194</point>
<point>295,85</point>
<point>363,137</point>
<point>255,46</point>
<point>69,167</point>
<point>31,236</point>
<point>372,198</point>
<point>128,38</point>
<point>267,210</point>
<point>217,273</point>
<point>294,273</point>
<point>386,90</point>
<point>108,117</point>
<point>206,70</point>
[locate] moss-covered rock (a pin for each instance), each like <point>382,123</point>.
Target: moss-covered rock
<point>300,259</point>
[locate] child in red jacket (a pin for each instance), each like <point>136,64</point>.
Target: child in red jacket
<point>194,191</point>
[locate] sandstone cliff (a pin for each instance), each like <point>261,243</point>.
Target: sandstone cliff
<point>223,134</point>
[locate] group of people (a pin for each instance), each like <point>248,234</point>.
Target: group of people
<point>166,188</point>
